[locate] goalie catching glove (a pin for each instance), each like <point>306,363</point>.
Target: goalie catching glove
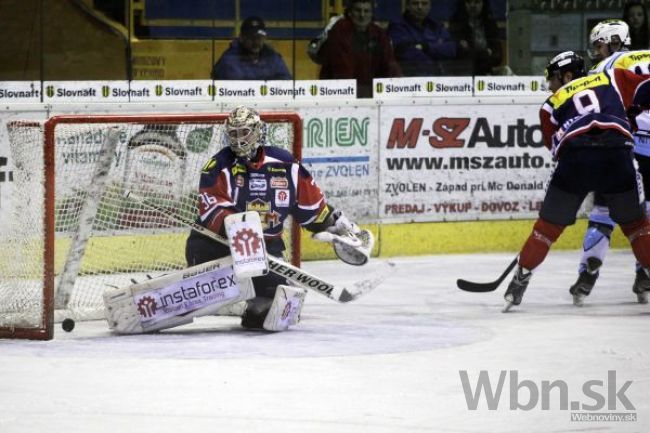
<point>351,244</point>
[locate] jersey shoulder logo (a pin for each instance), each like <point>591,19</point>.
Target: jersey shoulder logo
<point>209,165</point>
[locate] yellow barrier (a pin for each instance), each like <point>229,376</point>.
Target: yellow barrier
<point>455,238</point>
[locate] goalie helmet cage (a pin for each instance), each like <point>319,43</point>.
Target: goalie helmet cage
<point>72,232</point>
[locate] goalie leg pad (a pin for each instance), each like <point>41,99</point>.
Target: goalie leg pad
<point>175,299</point>
<point>285,309</point>
<point>237,309</point>
<point>275,314</point>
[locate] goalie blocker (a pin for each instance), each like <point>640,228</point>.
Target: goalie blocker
<point>175,299</point>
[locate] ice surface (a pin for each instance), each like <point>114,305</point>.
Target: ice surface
<point>387,362</point>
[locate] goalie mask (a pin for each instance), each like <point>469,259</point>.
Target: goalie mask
<point>245,131</point>
<point>613,33</point>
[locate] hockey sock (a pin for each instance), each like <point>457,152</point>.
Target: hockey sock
<point>638,232</point>
<point>539,242</point>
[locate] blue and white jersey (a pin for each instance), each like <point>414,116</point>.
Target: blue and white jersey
<point>639,63</point>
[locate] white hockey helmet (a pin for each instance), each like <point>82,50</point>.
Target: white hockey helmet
<point>608,32</point>
<point>245,131</point>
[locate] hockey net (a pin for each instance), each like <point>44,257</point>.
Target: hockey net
<point>72,231</point>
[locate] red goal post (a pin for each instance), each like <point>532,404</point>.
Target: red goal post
<point>71,231</point>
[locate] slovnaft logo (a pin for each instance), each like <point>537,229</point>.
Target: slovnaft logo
<point>72,91</point>
<point>264,90</point>
<point>509,85</point>
<point>20,91</point>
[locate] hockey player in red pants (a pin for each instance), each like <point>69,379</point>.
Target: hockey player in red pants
<point>585,125</point>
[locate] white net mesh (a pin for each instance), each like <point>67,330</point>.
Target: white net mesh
<point>101,238</point>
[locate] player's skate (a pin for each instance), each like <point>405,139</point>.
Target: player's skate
<point>516,288</point>
<point>641,286</point>
<point>586,280</point>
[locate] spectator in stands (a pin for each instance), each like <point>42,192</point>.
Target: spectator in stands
<point>249,57</point>
<point>476,31</point>
<point>636,17</point>
<point>420,43</point>
<point>358,48</point>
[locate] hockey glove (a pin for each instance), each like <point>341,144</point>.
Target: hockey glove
<point>351,244</point>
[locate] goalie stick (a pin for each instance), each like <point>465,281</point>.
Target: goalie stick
<point>292,273</point>
<point>470,286</point>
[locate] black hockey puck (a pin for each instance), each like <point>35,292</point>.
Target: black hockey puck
<point>67,325</point>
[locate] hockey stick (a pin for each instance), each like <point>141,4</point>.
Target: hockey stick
<point>277,266</point>
<point>470,286</point>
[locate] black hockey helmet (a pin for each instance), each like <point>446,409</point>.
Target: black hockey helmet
<point>567,61</point>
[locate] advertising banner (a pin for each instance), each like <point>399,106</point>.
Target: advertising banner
<point>429,87</point>
<point>388,163</point>
<point>85,91</point>
<point>285,89</point>
<point>176,90</point>
<point>20,92</point>
<point>460,163</point>
<point>340,151</point>
<point>413,87</point>
<point>510,85</point>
